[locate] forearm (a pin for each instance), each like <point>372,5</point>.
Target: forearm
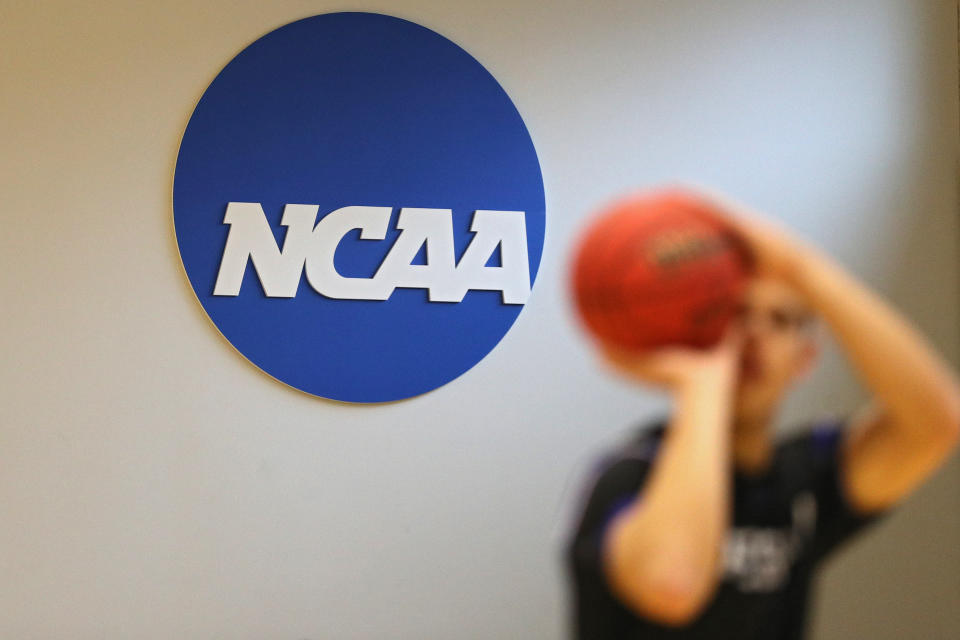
<point>662,553</point>
<point>913,384</point>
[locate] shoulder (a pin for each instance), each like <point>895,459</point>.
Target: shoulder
<point>814,463</point>
<point>638,451</point>
<point>816,441</point>
<point>621,471</point>
<point>808,459</point>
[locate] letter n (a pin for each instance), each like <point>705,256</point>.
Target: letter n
<point>250,238</point>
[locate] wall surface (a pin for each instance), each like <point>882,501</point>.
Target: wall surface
<point>153,484</point>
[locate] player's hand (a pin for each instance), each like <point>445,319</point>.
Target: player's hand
<point>673,367</point>
<point>776,252</point>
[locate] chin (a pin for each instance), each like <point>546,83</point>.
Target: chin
<point>751,403</point>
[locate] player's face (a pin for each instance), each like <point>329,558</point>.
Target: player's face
<point>780,345</point>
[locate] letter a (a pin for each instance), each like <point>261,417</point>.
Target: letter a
<point>507,229</point>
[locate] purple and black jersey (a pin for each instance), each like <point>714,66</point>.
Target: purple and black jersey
<point>785,521</point>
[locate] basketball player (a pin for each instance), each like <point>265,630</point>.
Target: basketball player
<point>704,527</point>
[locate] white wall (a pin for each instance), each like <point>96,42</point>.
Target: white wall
<point>153,484</point>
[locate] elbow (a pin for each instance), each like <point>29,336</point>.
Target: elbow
<point>673,595</point>
<point>668,578</point>
<point>935,430</point>
<point>672,600</point>
<point>948,432</point>
<point>953,427</point>
<point>951,436</point>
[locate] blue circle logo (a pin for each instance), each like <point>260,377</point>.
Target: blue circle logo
<point>359,207</point>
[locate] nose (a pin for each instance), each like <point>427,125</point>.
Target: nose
<point>745,321</point>
<point>751,322</point>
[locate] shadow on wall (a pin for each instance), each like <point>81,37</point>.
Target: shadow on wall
<point>901,581</point>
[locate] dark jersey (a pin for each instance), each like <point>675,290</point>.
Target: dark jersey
<point>784,523</point>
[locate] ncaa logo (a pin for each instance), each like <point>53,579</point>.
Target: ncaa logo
<point>359,207</point>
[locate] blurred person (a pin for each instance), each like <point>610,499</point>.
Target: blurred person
<point>703,526</point>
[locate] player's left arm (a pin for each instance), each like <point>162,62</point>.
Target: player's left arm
<point>912,422</point>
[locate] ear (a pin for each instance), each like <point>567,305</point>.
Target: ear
<point>809,355</point>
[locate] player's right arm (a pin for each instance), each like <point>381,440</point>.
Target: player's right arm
<point>662,554</point>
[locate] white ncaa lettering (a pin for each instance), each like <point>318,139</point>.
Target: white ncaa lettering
<point>311,246</point>
<point>321,274</point>
<point>250,237</point>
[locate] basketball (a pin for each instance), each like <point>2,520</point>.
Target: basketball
<point>659,268</point>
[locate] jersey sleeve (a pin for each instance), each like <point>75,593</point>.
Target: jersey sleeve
<point>597,613</point>
<point>616,486</point>
<point>837,519</point>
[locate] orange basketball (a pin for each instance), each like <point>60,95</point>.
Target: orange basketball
<point>659,268</point>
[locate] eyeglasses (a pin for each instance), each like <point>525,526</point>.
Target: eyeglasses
<point>775,320</point>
